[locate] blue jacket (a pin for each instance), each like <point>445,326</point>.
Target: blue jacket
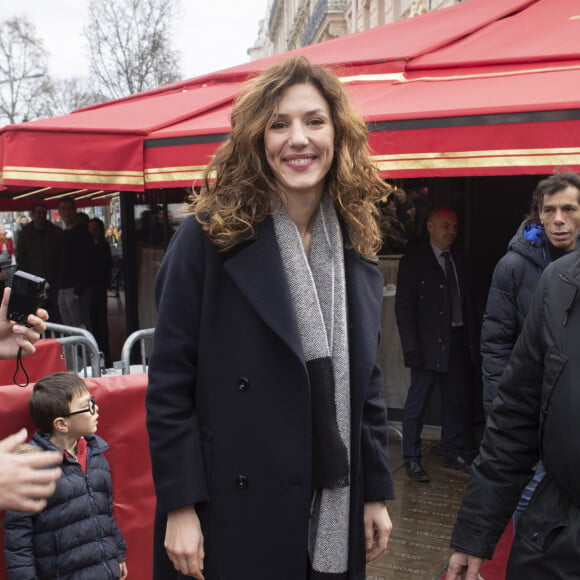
<point>76,536</point>
<point>513,284</point>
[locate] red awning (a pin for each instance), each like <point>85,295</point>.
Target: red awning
<point>484,87</point>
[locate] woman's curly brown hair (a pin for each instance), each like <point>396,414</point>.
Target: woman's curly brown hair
<point>239,181</point>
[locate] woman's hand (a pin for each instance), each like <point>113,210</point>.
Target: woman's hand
<point>378,528</point>
<point>14,336</point>
<point>184,542</point>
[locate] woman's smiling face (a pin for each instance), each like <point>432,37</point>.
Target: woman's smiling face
<point>299,140</point>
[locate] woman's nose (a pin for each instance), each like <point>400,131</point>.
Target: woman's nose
<point>297,135</point>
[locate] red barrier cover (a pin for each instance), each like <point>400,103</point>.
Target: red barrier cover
<point>47,359</point>
<point>121,403</point>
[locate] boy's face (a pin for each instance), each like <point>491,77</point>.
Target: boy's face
<point>81,421</point>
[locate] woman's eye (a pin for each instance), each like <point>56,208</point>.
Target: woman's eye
<point>316,122</point>
<point>278,125</point>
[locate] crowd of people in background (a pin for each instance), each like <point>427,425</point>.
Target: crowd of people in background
<point>73,255</point>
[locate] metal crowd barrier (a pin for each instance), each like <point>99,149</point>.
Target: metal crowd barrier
<point>145,339</point>
<point>80,348</point>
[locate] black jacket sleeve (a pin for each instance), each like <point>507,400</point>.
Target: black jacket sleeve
<point>510,448</point>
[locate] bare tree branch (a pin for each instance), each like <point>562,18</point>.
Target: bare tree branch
<point>22,70</point>
<point>61,97</point>
<point>129,45</point>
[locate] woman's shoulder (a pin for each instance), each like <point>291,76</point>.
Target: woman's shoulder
<point>190,231</point>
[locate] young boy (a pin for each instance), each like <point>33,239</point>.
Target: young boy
<point>76,536</point>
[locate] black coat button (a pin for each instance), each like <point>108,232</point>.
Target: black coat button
<point>243,385</point>
<point>241,482</point>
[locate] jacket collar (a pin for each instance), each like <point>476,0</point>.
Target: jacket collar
<point>256,269</point>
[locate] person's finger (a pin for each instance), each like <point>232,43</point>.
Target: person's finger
<point>30,334</point>
<point>37,490</point>
<point>41,460</point>
<point>37,323</point>
<point>4,304</point>
<point>27,504</point>
<point>10,443</point>
<point>42,314</point>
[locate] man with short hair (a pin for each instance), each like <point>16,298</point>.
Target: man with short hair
<point>432,315</point>
<point>38,253</point>
<point>549,231</point>
<point>75,258</point>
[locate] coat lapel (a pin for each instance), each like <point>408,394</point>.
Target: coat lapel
<point>257,271</point>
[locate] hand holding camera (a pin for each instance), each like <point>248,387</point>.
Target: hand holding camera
<point>21,319</point>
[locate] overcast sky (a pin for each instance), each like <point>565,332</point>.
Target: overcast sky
<point>210,34</point>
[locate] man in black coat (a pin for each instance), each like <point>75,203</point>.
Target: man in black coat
<point>75,263</point>
<point>535,414</point>
<point>431,315</point>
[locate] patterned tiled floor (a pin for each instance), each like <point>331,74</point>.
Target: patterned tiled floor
<point>423,516</point>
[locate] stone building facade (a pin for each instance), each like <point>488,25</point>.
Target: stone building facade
<point>290,24</point>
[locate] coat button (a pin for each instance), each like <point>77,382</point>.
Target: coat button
<point>535,536</point>
<point>243,385</point>
<point>241,482</point>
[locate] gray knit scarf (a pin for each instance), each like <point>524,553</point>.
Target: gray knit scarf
<point>318,294</point>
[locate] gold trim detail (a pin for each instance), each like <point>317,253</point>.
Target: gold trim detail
<point>465,162</point>
<point>50,175</point>
<point>174,174</point>
<point>483,153</point>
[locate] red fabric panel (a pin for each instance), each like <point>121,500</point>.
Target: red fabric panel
<point>121,402</point>
<point>523,37</point>
<point>468,92</point>
<point>73,159</point>
<point>511,149</point>
<point>47,359</point>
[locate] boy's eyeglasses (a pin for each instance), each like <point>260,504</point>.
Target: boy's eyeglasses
<point>92,408</point>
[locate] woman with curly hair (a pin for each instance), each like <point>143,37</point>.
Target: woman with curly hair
<point>266,422</point>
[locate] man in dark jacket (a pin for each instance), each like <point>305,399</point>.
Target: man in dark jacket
<point>431,315</point>
<point>549,232</point>
<point>75,262</point>
<point>38,252</point>
<point>534,415</point>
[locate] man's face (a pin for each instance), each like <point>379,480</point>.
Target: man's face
<point>39,216</point>
<point>442,228</point>
<point>67,212</point>
<point>560,216</point>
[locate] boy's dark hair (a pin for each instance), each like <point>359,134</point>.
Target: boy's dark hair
<point>51,398</point>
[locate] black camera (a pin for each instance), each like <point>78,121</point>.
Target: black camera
<point>28,293</point>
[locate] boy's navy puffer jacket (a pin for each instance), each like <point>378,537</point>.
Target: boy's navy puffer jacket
<point>76,536</point>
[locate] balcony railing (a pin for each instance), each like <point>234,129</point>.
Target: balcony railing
<point>321,9</point>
